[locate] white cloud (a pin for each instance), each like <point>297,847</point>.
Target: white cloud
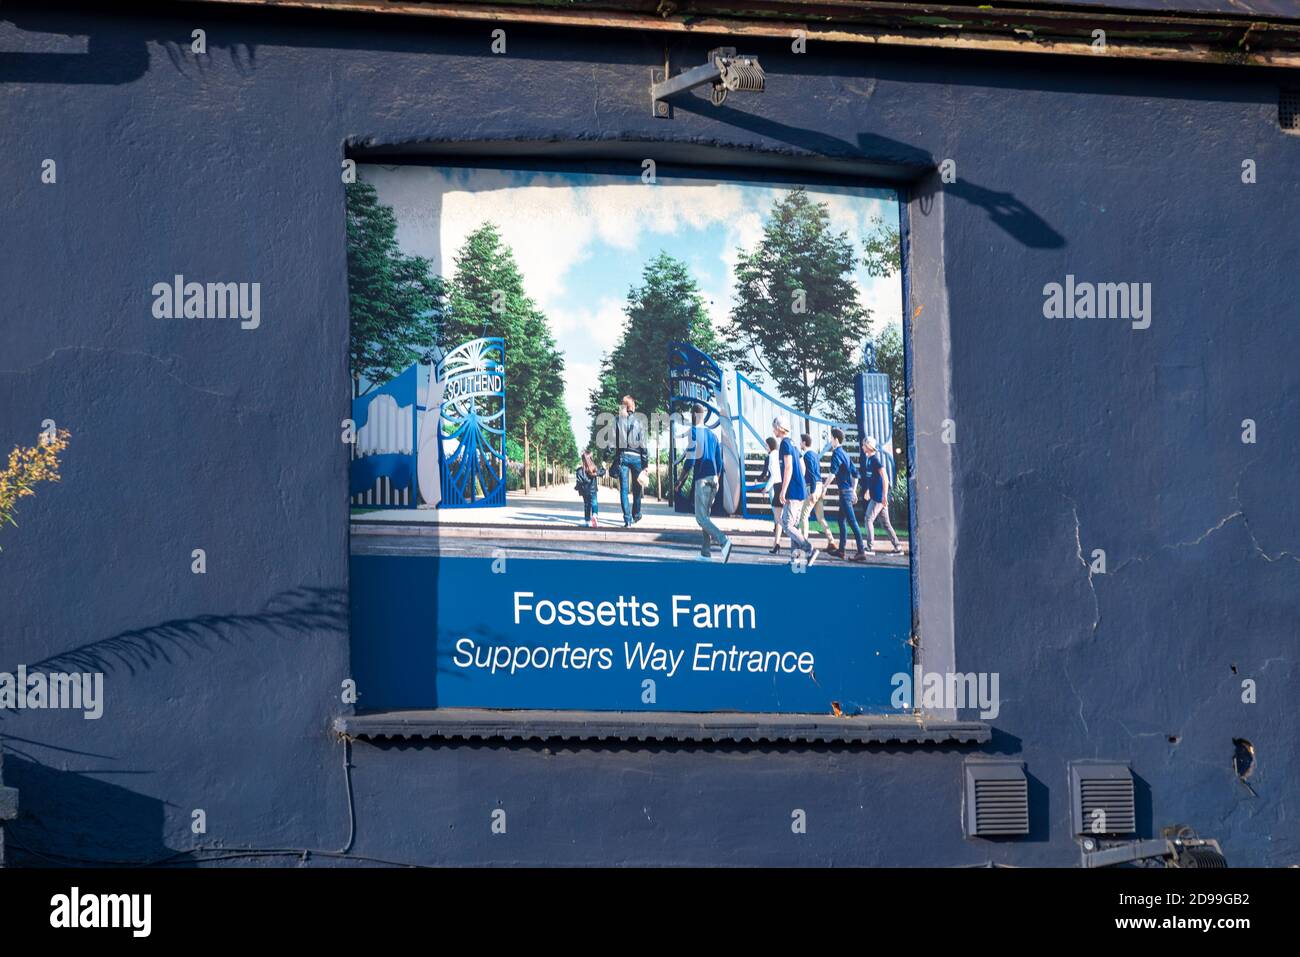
<point>549,225</point>
<point>599,326</point>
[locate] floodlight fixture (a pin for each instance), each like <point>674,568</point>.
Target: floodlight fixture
<point>726,70</point>
<point>1177,847</point>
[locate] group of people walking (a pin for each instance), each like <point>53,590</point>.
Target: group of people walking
<point>801,469</point>
<point>792,479</point>
<point>870,481</point>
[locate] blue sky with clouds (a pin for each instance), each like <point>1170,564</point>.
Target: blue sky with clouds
<point>581,240</point>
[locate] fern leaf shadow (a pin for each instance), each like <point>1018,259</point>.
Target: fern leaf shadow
<point>301,612</point>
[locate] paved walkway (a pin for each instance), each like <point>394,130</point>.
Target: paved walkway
<point>365,542</point>
<point>549,522</point>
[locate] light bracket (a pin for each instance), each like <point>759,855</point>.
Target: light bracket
<point>726,70</point>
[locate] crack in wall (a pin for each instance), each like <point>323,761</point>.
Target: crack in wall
<point>1177,545</point>
<point>1250,532</point>
<point>1087,566</point>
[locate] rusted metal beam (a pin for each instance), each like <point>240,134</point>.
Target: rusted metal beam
<point>1237,41</point>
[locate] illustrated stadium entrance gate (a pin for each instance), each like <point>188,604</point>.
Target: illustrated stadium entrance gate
<point>740,414</point>
<point>455,458</point>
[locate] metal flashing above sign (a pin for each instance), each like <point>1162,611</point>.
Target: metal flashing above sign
<point>486,724</point>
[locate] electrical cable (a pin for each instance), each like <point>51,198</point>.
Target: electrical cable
<point>221,853</point>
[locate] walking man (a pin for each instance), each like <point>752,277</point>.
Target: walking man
<point>631,458</point>
<point>844,475</point>
<point>705,458</point>
<point>876,493</point>
<point>812,474</point>
<point>791,490</point>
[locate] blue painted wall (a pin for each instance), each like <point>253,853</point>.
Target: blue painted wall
<point>1072,436</point>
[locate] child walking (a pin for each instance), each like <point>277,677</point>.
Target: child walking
<point>587,484</point>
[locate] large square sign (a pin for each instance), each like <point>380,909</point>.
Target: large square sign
<point>626,442</point>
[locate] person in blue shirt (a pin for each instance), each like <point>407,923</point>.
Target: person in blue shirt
<point>791,491</point>
<point>844,475</point>
<point>875,493</point>
<point>704,458</point>
<point>813,504</point>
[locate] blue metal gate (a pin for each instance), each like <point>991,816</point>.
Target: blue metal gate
<point>741,414</point>
<point>470,386</point>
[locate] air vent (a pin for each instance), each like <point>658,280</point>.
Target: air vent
<point>997,799</point>
<point>1288,110</point>
<point>1102,797</point>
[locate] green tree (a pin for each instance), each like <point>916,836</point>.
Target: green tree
<point>883,258</point>
<point>395,304</point>
<point>555,436</point>
<point>604,397</point>
<point>487,298</point>
<point>888,345</point>
<point>882,253</point>
<point>797,317</point>
<point>666,307</point>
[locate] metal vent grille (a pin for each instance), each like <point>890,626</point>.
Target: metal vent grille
<point>1103,798</point>
<point>997,799</point>
<point>1288,110</point>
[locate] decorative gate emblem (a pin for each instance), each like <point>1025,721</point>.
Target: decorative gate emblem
<point>472,423</point>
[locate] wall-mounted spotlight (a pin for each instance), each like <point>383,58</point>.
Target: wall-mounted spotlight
<point>725,69</point>
<point>1177,847</point>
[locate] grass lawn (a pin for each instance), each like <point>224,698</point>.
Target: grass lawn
<point>815,528</point>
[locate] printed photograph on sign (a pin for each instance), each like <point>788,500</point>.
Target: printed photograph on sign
<point>623,444</point>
